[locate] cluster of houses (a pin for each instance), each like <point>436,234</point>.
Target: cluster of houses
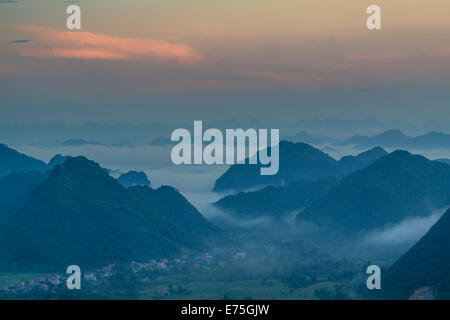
<point>166,264</point>
<point>49,282</point>
<point>42,283</point>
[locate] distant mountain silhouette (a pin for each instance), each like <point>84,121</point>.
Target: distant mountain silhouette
<point>305,137</point>
<point>133,178</point>
<point>160,141</point>
<point>13,161</point>
<point>349,164</point>
<point>396,139</point>
<point>80,142</point>
<point>447,161</point>
<point>426,264</point>
<point>57,159</point>
<point>15,188</point>
<point>391,189</point>
<point>297,161</point>
<point>275,200</point>
<point>81,215</point>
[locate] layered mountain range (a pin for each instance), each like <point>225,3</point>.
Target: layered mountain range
<point>396,139</point>
<point>81,215</point>
<point>14,161</point>
<point>297,161</point>
<point>386,191</point>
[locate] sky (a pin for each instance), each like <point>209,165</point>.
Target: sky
<point>170,60</point>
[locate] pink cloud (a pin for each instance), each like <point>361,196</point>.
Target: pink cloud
<point>88,45</point>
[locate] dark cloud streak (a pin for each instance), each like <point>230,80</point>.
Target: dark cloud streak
<point>19,41</point>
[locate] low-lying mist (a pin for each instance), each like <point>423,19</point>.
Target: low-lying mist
<point>196,182</point>
<point>406,232</point>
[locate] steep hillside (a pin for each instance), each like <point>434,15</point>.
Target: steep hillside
<point>80,215</point>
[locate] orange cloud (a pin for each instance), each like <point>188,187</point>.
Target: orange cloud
<point>88,45</point>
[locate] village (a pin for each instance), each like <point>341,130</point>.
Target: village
<point>92,280</point>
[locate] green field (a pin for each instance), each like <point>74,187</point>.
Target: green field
<point>249,289</point>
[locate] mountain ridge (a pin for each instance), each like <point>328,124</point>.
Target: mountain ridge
<point>426,264</point>
<point>397,139</point>
<point>297,161</point>
<point>13,161</point>
<point>81,215</point>
<point>391,189</point>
